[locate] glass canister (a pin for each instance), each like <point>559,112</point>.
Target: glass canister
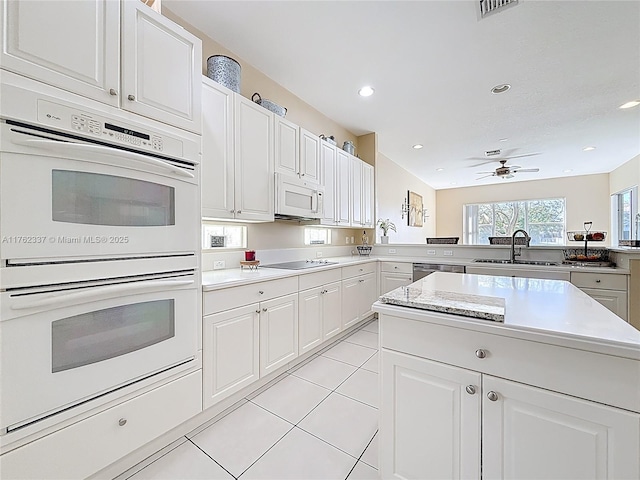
<point>349,147</point>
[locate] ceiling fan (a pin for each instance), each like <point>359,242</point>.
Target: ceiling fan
<point>506,171</point>
<point>498,155</point>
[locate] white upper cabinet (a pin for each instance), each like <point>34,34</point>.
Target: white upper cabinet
<point>71,45</point>
<point>356,203</point>
<point>161,68</point>
<point>329,179</point>
<point>254,179</point>
<point>309,156</point>
<point>367,195</point>
<point>343,197</point>
<point>287,154</point>
<point>217,151</point>
<point>76,46</point>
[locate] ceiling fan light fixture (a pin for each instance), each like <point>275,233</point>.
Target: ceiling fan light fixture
<point>439,169</point>
<point>418,146</point>
<point>503,140</point>
<point>568,170</point>
<point>366,91</point>
<point>500,88</point>
<point>588,149</point>
<point>631,104</point>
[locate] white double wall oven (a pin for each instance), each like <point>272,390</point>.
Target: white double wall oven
<point>99,279</point>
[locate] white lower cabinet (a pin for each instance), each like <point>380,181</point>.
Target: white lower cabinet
<point>390,281</point>
<point>85,447</point>
<point>607,289</point>
<point>319,315</point>
<point>443,421</point>
<point>358,294</point>
<point>278,332</point>
<point>231,352</point>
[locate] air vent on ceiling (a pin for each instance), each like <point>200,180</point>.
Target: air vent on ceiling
<point>492,153</point>
<point>492,6</point>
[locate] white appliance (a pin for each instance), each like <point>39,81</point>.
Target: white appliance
<point>100,241</point>
<point>297,198</point>
<point>79,180</point>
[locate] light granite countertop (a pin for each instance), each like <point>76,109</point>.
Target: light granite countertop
<point>555,310</point>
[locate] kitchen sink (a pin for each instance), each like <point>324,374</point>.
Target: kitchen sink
<point>517,262</point>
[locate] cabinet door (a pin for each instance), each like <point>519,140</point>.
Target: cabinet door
<point>287,147</point>
<point>310,319</point>
<point>367,195</point>
<point>254,179</point>
<point>533,433</point>
<point>356,191</point>
<point>217,150</point>
<point>230,351</point>
<point>278,332</point>
<point>70,45</point>
<point>329,179</point>
<point>350,301</point>
<point>309,156</point>
<point>343,198</point>
<point>368,294</point>
<point>391,281</point>
<point>615,301</point>
<point>161,68</point>
<point>331,310</point>
<point>429,423</point>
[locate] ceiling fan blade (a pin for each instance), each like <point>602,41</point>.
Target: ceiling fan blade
<point>480,178</point>
<point>487,173</point>
<point>513,167</point>
<point>480,164</point>
<point>527,170</point>
<point>508,175</point>
<point>520,156</point>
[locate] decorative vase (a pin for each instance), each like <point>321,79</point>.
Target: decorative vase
<point>384,239</point>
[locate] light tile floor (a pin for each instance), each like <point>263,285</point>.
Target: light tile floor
<point>319,421</point>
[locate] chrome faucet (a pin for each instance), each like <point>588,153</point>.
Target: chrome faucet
<point>513,244</point>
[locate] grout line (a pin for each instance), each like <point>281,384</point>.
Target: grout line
<point>267,451</point>
<point>324,441</point>
<point>213,459</point>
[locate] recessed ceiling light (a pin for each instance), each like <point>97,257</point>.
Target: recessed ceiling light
<point>418,146</point>
<point>439,169</point>
<point>588,149</point>
<point>500,88</point>
<point>453,183</point>
<point>568,170</point>
<point>631,104</point>
<point>503,139</point>
<point>366,91</point>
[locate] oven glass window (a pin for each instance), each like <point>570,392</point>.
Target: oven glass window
<point>96,199</point>
<point>103,334</point>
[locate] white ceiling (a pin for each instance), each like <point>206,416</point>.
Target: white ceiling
<point>571,64</point>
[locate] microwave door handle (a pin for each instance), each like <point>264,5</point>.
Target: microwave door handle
<point>92,293</point>
<point>314,202</point>
<point>100,150</point>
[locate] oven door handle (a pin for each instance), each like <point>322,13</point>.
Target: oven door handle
<point>113,154</point>
<point>93,293</point>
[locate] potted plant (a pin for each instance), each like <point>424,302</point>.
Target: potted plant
<point>385,225</point>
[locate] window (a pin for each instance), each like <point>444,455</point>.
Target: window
<point>317,236</point>
<point>544,220</point>
<point>624,211</point>
<point>223,236</point>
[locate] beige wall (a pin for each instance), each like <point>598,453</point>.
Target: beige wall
<point>392,183</point>
<point>625,176</point>
<point>587,199</point>
<point>252,80</point>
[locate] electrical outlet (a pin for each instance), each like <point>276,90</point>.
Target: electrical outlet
<point>448,253</point>
<point>392,250</point>
<point>352,240</point>
<point>218,264</point>
<point>431,252</point>
<point>318,254</point>
<point>346,240</point>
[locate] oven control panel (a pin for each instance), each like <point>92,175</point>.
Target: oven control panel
<point>104,129</point>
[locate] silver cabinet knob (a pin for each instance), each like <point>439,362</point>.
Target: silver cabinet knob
<point>131,97</point>
<point>232,211</point>
<point>361,269</point>
<point>260,292</point>
<point>239,211</point>
<point>471,390</point>
<point>113,91</point>
<point>264,309</point>
<point>258,311</point>
<point>480,353</point>
<point>493,396</point>
<point>122,422</point>
<point>302,175</point>
<point>395,268</point>
<point>598,281</point>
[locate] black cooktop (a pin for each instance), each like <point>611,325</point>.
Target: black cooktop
<point>300,264</point>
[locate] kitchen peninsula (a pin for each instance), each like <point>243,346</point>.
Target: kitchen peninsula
<point>547,387</point>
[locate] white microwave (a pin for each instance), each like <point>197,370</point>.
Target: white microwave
<point>297,198</point>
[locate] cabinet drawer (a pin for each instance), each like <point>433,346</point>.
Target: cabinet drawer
<point>602,378</point>
<point>312,280</point>
<point>234,297</point>
<point>361,269</point>
<point>606,281</point>
<point>397,267</point>
<point>83,448</point>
